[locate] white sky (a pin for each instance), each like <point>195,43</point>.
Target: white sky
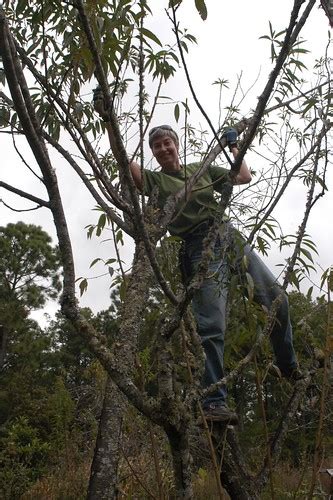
<point>228,43</point>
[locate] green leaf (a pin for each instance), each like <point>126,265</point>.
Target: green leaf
<point>90,231</point>
<point>102,221</point>
<point>83,286</point>
<point>94,262</point>
<point>201,8</point>
<point>322,183</point>
<point>271,29</point>
<point>176,112</point>
<point>21,6</point>
<point>110,261</point>
<point>119,237</point>
<point>294,279</point>
<point>324,277</point>
<point>262,245</point>
<point>280,33</point>
<point>151,35</point>
<point>174,3</point>
<point>307,254</point>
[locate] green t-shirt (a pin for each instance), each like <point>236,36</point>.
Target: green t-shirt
<point>201,204</point>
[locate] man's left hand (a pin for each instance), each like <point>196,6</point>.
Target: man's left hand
<point>230,135</point>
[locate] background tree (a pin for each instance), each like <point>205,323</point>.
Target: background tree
<point>29,275</point>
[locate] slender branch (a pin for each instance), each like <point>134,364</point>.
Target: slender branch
<point>88,151</point>
<point>136,475</point>
<point>6,99</point>
<point>24,194</point>
<point>301,230</point>
<point>23,160</point>
<point>19,210</point>
<point>324,391</point>
<point>180,48</point>
<point>278,438</point>
<point>108,210</point>
<point>292,33</point>
<point>141,92</point>
<point>293,99</point>
<point>151,114</point>
<point>264,420</point>
<point>118,147</point>
<point>262,218</point>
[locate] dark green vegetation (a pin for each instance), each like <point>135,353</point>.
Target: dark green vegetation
<point>52,392</point>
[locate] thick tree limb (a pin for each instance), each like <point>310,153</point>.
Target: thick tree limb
<point>103,483</point>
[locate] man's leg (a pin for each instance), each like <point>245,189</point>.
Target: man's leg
<point>209,306</point>
<point>266,291</point>
<point>209,309</point>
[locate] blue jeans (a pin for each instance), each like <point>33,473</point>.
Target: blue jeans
<point>209,302</point>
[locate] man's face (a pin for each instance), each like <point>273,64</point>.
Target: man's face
<point>166,153</point>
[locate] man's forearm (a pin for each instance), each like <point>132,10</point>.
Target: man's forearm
<point>244,175</point>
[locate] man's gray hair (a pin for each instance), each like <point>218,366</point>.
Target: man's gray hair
<point>162,131</point>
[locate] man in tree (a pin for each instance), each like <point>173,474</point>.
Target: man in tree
<point>191,222</point>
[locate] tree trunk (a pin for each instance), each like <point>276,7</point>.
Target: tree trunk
<point>180,449</point>
<point>236,480</point>
<point>103,483</point>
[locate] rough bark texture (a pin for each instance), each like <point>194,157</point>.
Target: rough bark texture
<point>180,449</point>
<point>104,469</point>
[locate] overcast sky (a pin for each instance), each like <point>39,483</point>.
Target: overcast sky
<point>228,44</point>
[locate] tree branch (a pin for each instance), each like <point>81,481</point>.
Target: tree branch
<point>292,33</point>
<point>277,198</point>
<point>108,210</point>
<point>23,194</point>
